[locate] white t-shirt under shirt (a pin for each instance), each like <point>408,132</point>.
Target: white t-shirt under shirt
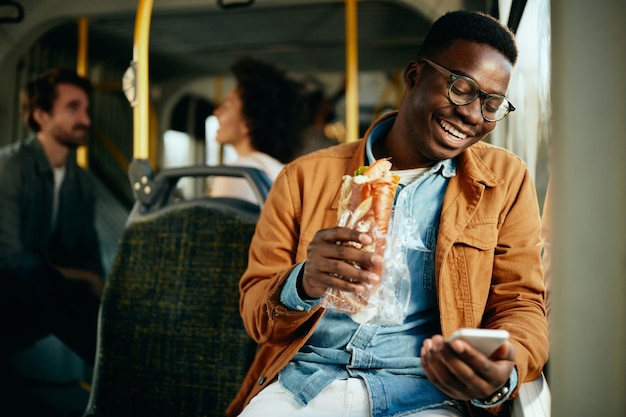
<point>239,187</point>
<point>59,174</point>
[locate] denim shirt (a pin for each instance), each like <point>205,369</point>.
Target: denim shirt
<point>341,348</point>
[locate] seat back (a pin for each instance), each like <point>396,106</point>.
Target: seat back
<point>171,339</point>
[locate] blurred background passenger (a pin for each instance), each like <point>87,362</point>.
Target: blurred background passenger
<point>262,118</point>
<point>51,273</point>
<point>321,112</point>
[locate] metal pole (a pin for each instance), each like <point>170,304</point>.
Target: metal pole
<point>141,111</point>
<point>352,73</point>
<point>82,68</point>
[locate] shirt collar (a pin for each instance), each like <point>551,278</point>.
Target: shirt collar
<point>447,167</point>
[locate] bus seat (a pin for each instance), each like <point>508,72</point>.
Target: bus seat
<point>171,341</point>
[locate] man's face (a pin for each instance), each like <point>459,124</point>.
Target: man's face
<point>68,121</point>
<point>232,124</point>
<point>435,127</point>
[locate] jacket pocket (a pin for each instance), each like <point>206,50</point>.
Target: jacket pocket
<point>483,236</point>
<point>474,253</point>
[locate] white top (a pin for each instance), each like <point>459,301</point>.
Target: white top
<point>239,187</point>
<point>407,176</point>
<point>59,174</point>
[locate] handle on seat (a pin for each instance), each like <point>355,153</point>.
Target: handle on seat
<point>258,179</point>
<point>154,191</point>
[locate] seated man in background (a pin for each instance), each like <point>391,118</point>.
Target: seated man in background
<point>50,264</point>
<point>476,211</point>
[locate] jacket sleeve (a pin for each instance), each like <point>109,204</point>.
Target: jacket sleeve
<point>271,258</point>
<point>517,294</point>
<point>12,252</point>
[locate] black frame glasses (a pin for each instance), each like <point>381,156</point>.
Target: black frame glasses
<point>463,90</point>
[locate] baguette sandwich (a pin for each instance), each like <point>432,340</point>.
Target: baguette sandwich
<point>366,203</point>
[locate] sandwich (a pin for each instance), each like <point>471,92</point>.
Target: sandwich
<point>366,204</point>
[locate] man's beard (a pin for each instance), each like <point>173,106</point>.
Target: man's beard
<point>78,136</point>
<point>71,145</point>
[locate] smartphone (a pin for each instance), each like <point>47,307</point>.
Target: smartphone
<point>483,340</point>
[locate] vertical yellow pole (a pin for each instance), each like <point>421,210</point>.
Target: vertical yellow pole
<point>82,68</point>
<point>352,73</point>
<point>141,111</point>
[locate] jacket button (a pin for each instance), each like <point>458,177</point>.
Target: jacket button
<point>261,380</point>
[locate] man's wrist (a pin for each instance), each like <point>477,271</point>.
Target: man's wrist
<point>498,395</point>
<point>501,395</point>
<point>290,296</point>
<point>299,285</point>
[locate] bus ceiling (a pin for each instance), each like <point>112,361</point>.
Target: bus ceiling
<point>11,12</point>
<point>231,4</point>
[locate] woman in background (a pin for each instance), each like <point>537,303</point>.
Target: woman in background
<point>262,118</point>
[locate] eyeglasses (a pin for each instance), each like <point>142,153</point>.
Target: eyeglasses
<point>463,90</point>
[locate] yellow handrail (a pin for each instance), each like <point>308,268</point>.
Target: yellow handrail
<point>82,69</point>
<point>352,73</point>
<point>141,110</point>
<point>82,61</point>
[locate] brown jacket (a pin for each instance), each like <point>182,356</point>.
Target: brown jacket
<point>488,267</point>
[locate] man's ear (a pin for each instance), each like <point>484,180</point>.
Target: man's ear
<point>39,115</point>
<point>411,74</point>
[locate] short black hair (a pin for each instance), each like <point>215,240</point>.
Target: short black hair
<point>274,106</point>
<point>41,92</point>
<point>470,26</point>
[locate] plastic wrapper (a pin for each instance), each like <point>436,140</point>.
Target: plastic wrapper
<point>366,204</point>
<point>389,303</point>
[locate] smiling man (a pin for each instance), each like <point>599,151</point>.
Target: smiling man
<point>473,206</point>
<point>50,263</point>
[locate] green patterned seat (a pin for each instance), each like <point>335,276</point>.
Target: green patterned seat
<point>171,340</point>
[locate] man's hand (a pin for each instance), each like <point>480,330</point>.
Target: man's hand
<point>331,264</point>
<point>464,373</point>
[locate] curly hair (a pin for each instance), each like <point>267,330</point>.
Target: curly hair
<point>41,92</point>
<point>274,107</point>
<point>471,26</point>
